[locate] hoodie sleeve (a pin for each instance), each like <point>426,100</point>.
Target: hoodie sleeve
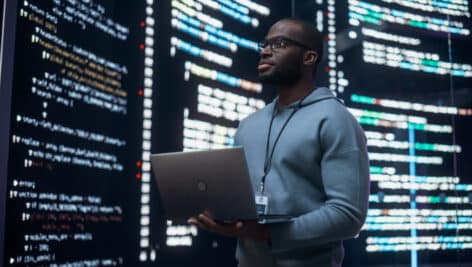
<point>345,179</point>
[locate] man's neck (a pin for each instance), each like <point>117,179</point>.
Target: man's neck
<point>293,92</point>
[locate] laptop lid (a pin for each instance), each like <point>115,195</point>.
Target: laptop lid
<point>216,181</point>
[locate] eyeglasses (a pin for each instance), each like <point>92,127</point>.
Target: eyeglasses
<point>280,42</point>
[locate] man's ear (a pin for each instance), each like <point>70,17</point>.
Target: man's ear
<point>310,58</point>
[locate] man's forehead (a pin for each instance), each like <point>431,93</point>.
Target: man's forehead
<point>284,28</point>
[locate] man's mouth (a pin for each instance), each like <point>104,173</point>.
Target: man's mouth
<point>263,67</point>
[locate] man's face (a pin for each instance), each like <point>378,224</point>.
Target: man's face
<point>281,65</point>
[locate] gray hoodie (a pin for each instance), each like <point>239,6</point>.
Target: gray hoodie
<point>319,173</point>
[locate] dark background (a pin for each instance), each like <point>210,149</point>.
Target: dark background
<point>172,95</point>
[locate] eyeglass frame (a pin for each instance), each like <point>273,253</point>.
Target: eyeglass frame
<point>263,44</point>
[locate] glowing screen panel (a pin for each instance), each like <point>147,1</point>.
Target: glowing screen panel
<point>403,71</point>
<point>79,138</point>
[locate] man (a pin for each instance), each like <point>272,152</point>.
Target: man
<point>307,157</point>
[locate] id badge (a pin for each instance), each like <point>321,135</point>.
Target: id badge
<point>262,203</point>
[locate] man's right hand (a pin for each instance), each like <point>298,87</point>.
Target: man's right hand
<point>239,229</point>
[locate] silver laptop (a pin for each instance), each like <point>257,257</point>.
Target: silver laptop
<point>216,181</point>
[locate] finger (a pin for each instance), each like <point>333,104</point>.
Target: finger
<point>202,225</point>
<point>225,229</point>
<point>207,220</point>
<point>195,221</point>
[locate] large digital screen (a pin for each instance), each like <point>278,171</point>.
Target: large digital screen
<point>79,132</point>
<point>85,84</point>
<point>207,84</point>
<point>403,70</point>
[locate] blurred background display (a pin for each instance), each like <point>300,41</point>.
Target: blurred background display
<point>90,89</point>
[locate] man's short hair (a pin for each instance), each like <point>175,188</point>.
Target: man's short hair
<point>311,37</point>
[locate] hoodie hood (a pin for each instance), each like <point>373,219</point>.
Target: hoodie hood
<point>317,95</point>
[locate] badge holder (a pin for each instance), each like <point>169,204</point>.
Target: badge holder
<point>262,203</point>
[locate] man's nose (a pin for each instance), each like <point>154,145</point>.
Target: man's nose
<point>265,52</point>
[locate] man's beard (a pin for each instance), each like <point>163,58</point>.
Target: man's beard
<point>285,74</point>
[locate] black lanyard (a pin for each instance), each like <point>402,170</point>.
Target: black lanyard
<point>268,157</point>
